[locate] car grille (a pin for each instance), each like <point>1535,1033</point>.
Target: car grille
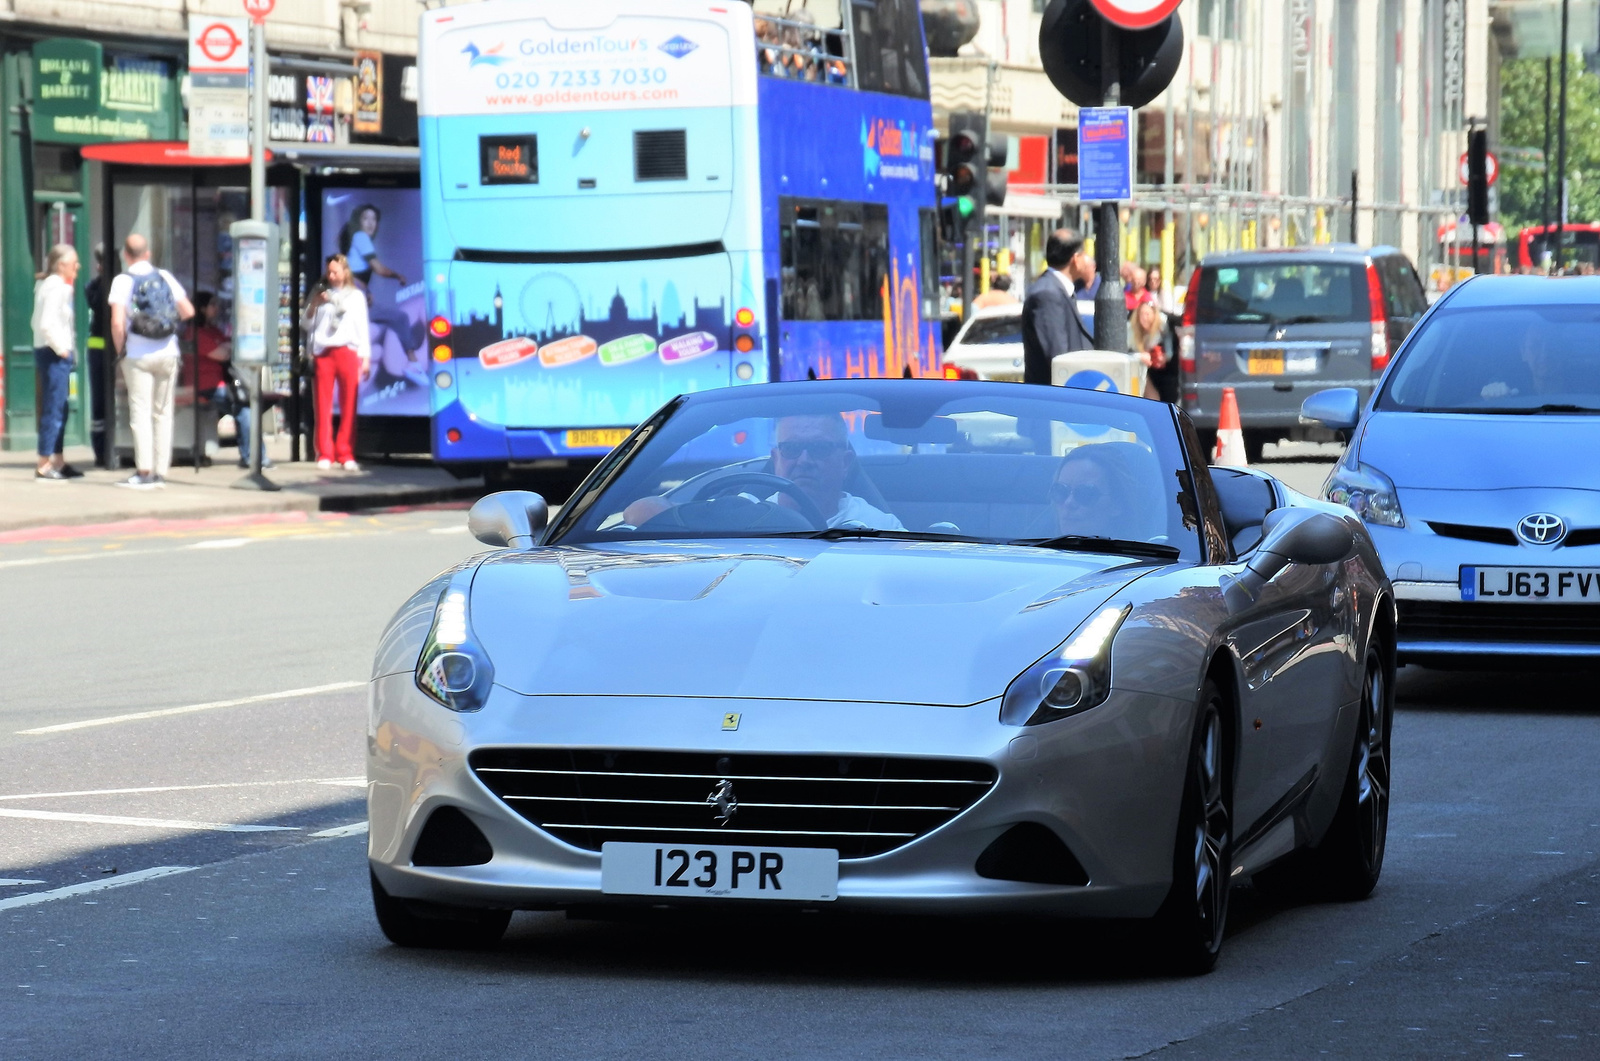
<point>858,805</point>
<point>1563,624</point>
<point>1492,535</point>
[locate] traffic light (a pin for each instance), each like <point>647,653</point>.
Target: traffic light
<point>1478,177</point>
<point>964,162</point>
<point>995,176</point>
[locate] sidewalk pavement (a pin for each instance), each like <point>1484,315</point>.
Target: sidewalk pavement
<point>27,504</point>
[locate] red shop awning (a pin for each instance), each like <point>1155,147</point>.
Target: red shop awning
<point>156,153</point>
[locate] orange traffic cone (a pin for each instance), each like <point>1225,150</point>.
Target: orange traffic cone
<point>1230,436</point>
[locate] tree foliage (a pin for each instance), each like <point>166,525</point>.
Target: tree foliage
<point>1522,95</point>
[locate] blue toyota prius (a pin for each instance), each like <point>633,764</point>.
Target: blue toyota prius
<point>1476,468</point>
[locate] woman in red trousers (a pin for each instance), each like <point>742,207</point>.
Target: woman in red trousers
<point>341,344</point>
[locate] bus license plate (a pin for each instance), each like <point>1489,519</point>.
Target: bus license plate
<point>1531,585</point>
<point>725,872</point>
<point>596,437</point>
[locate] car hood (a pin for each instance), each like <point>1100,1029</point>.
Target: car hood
<point>1461,452</point>
<point>899,622</point>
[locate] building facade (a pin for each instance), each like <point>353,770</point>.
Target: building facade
<point>1281,113</point>
<point>94,97</point>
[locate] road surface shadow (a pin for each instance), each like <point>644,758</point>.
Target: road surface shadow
<point>1555,690</point>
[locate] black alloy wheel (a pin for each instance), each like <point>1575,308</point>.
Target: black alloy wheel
<point>1194,918</point>
<point>415,924</point>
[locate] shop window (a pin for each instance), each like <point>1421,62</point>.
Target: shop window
<point>1219,19</point>
<point>835,259</point>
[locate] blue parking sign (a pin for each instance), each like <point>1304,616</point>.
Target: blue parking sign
<point>1105,154</point>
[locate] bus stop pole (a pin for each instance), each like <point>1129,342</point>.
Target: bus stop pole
<point>255,480</point>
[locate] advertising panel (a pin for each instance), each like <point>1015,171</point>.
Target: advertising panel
<point>380,231</point>
<point>530,66</point>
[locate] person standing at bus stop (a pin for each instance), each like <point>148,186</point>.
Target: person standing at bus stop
<point>55,352</point>
<point>148,306</point>
<point>341,344</point>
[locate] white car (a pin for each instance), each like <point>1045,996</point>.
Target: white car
<point>989,344</point>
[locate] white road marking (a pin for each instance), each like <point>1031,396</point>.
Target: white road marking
<point>352,782</point>
<point>221,543</point>
<point>93,886</point>
<point>147,823</point>
<point>34,561</point>
<point>353,829</point>
<point>136,716</point>
<point>459,528</point>
<point>14,882</point>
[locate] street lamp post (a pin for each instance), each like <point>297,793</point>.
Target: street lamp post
<point>1561,143</point>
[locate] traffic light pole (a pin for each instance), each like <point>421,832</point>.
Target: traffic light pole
<point>1110,311</point>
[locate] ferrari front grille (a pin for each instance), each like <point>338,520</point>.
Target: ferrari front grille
<point>1469,621</point>
<point>857,805</point>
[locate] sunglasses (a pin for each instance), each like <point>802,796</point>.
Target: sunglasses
<point>1060,493</point>
<point>819,448</point>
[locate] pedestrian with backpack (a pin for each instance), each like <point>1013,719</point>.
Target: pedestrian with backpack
<point>148,307</point>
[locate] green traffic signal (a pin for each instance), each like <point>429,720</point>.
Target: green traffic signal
<point>965,205</point>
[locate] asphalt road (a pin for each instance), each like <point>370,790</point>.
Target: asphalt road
<point>218,902</point>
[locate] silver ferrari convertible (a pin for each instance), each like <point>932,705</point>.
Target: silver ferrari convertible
<point>913,646</point>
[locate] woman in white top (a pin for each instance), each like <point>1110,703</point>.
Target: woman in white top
<point>55,351</point>
<point>341,344</point>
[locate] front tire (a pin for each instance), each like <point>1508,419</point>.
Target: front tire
<point>1194,918</point>
<point>408,924</point>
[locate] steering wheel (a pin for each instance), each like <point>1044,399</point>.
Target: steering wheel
<point>767,483</point>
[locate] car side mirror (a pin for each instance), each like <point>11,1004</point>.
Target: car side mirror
<point>1338,408</point>
<point>1291,536</point>
<point>508,518</point>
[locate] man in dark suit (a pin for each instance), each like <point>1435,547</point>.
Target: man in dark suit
<point>1050,321</point>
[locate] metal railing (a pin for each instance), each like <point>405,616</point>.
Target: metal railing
<point>803,51</point>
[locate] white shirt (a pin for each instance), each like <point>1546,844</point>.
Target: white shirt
<point>342,321</point>
<point>54,324</point>
<point>361,249</point>
<point>853,509</point>
<point>122,293</point>
<point>1066,282</point>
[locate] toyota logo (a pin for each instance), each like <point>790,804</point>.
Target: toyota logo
<point>1541,528</point>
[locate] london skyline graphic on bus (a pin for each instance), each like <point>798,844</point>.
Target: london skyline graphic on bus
<point>593,344</point>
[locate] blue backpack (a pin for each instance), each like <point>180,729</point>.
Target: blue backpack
<point>153,311</point>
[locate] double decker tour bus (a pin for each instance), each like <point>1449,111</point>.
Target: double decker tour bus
<point>627,200</point>
<point>1580,245</point>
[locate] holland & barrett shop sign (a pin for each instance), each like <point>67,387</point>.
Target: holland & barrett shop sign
<point>66,78</point>
<point>82,97</point>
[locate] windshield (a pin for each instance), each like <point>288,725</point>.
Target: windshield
<point>930,460</point>
<point>987,330</point>
<point>1516,359</point>
<point>1279,292</point>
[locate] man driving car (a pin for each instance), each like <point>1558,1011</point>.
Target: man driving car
<point>814,453</point>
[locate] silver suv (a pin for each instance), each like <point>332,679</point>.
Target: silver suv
<point>1280,325</point>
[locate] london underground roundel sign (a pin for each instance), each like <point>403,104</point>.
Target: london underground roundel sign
<point>1135,14</point>
<point>258,9</point>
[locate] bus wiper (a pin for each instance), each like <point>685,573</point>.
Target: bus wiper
<point>1078,543</point>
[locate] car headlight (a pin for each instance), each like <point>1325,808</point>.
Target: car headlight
<point>1367,492</point>
<point>1074,678</point>
<point>451,667</point>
